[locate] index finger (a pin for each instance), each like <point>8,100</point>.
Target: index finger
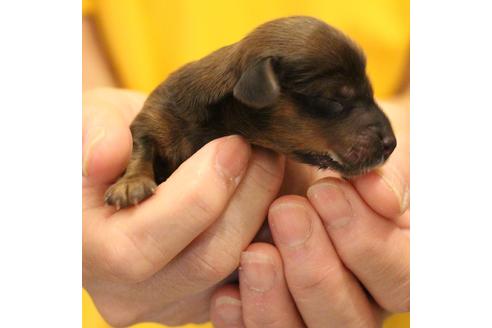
<point>373,248</point>
<point>151,234</point>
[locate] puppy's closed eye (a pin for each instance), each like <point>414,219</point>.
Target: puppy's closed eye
<point>321,105</point>
<point>328,104</point>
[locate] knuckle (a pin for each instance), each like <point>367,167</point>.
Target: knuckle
<point>264,320</point>
<point>405,304</point>
<point>126,263</point>
<point>265,175</point>
<point>119,320</point>
<point>202,206</point>
<point>208,269</point>
<point>317,279</point>
<point>403,288</point>
<point>394,280</point>
<point>119,317</point>
<point>363,251</point>
<point>400,297</point>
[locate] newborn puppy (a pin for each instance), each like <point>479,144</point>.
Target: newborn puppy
<point>294,85</point>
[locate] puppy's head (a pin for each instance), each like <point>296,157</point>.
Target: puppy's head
<point>310,81</point>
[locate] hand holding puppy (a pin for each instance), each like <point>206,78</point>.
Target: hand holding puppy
<point>341,232</point>
<point>161,260</point>
<point>342,254</point>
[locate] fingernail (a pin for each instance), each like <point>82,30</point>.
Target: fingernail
<point>290,223</point>
<point>93,137</point>
<point>229,310</point>
<point>395,183</point>
<point>232,159</point>
<point>331,203</point>
<point>257,271</point>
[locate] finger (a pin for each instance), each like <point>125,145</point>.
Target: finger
<point>106,137</point>
<point>326,293</point>
<point>220,246</point>
<point>226,308</point>
<point>193,197</point>
<point>373,248</point>
<point>386,189</point>
<point>215,253</point>
<point>265,298</point>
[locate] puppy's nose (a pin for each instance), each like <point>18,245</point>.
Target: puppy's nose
<point>389,144</point>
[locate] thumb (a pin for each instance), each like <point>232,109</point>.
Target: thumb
<point>106,137</point>
<point>386,189</point>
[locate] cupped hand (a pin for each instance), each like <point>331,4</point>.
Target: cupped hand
<point>341,254</point>
<point>161,260</point>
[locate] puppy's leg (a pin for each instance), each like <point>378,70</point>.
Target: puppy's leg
<point>138,182</point>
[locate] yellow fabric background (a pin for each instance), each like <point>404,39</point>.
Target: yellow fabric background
<point>148,39</point>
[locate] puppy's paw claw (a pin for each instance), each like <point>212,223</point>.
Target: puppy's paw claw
<point>129,191</point>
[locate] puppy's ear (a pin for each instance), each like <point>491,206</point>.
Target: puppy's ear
<point>258,86</point>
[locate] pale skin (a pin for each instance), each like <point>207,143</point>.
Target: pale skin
<point>341,253</point>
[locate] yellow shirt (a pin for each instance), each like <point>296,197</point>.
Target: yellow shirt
<point>148,39</point>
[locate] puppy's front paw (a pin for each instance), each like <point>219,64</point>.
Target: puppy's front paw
<point>129,191</point>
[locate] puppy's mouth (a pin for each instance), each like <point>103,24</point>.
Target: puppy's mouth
<point>330,160</point>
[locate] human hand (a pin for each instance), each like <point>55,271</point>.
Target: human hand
<point>341,257</point>
<point>161,260</point>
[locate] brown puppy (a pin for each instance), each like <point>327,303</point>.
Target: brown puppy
<point>294,85</point>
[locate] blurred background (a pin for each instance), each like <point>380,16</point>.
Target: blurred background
<point>136,44</point>
<point>144,40</point>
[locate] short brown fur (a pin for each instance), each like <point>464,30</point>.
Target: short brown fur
<point>294,85</point>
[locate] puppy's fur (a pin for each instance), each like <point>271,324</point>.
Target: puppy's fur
<point>294,85</point>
